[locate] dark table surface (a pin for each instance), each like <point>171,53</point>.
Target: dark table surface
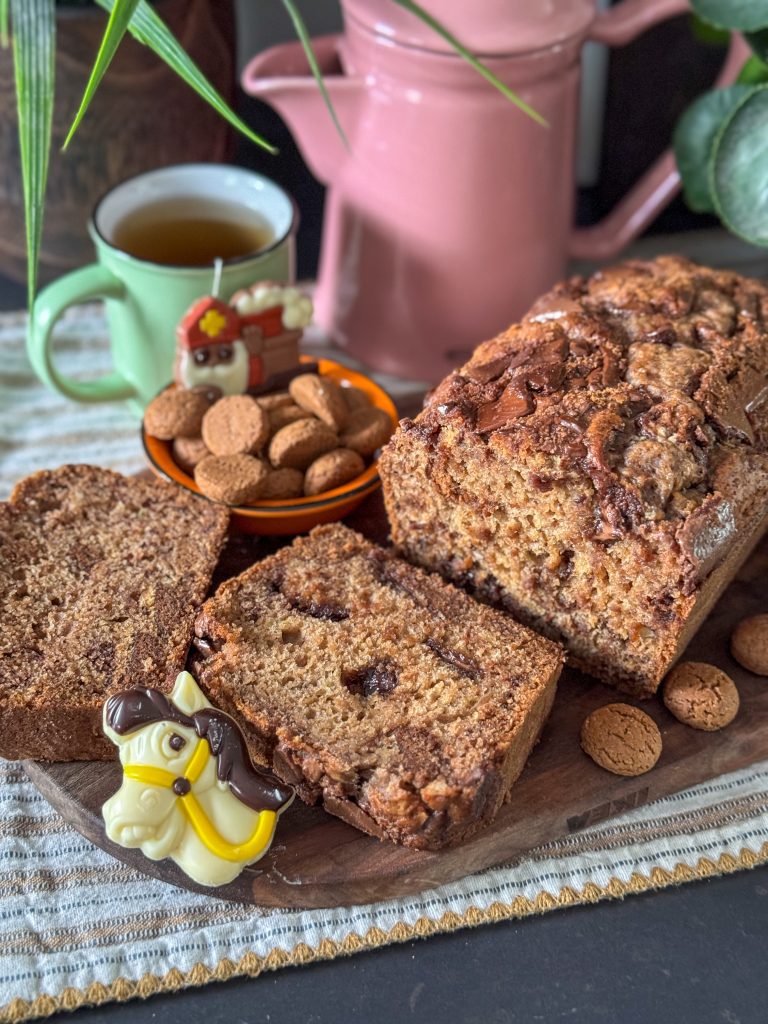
<point>697,953</point>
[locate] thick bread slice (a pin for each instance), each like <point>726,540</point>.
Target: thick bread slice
<point>599,469</point>
<point>100,579</point>
<point>401,703</point>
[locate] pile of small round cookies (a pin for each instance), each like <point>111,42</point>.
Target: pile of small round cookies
<point>242,449</point>
<point>626,741</point>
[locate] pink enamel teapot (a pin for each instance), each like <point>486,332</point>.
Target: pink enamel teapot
<point>451,210</point>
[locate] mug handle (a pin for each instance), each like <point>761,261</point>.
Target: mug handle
<point>661,182</point>
<point>91,282</point>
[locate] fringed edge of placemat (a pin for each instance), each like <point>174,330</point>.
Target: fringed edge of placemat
<point>251,965</point>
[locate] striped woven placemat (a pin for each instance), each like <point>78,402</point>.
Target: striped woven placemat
<point>78,927</point>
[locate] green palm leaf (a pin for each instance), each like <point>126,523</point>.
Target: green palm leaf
<point>3,23</point>
<point>116,28</point>
<point>481,69</point>
<point>151,30</point>
<point>34,39</point>
<point>306,42</point>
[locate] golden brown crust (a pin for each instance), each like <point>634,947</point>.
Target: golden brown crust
<point>591,467</point>
<point>100,579</point>
<point>376,687</point>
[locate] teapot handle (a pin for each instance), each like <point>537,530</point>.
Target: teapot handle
<point>661,182</point>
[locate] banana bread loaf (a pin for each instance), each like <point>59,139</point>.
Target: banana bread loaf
<point>600,469</point>
<point>397,700</point>
<point>100,579</point>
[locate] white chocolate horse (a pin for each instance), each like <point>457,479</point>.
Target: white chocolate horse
<point>189,790</point>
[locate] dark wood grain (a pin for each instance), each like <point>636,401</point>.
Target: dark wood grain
<point>129,128</point>
<point>318,861</point>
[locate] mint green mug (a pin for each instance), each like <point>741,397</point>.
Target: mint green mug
<point>144,299</point>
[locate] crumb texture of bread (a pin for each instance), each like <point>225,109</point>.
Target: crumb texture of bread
<point>101,577</point>
<point>600,468</point>
<point>404,705</point>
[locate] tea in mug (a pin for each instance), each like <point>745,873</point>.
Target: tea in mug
<point>191,234</point>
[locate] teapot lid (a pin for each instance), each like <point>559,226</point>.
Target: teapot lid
<point>486,27</point>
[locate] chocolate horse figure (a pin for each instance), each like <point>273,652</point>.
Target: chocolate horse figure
<point>189,790</point>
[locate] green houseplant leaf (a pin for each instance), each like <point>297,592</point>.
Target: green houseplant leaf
<point>759,43</point>
<point>121,14</point>
<point>744,15</point>
<point>34,39</point>
<point>148,28</point>
<point>694,139</point>
<point>708,34</point>
<point>3,23</point>
<point>739,168</point>
<point>754,72</point>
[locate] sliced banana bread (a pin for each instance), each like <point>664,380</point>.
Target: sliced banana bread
<point>100,579</point>
<point>401,703</point>
<point>601,468</point>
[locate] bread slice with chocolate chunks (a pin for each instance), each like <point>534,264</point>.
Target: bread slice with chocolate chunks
<point>101,577</point>
<point>600,469</point>
<point>401,703</point>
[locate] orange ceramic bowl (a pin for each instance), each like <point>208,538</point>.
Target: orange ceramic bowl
<point>288,516</point>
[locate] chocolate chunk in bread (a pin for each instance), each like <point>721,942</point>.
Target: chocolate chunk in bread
<point>100,579</point>
<point>601,468</point>
<point>403,705</point>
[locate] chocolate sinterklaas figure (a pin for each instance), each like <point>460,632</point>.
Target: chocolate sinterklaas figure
<point>250,345</point>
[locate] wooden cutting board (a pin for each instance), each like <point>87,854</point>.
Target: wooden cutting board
<point>318,861</point>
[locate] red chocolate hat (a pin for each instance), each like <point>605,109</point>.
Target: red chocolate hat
<point>207,322</point>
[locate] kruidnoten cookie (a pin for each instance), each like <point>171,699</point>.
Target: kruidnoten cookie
<point>701,695</point>
<point>176,413</point>
<point>622,739</point>
<point>749,644</point>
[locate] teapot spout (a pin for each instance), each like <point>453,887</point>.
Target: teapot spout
<point>281,76</point>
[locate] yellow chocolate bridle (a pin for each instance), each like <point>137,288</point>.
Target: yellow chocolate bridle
<point>194,813</point>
